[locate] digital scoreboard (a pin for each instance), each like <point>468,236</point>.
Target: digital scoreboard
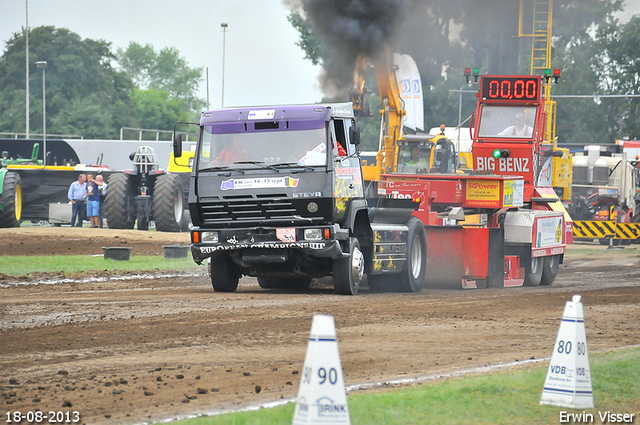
<point>511,88</point>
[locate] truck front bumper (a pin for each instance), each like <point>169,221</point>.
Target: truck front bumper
<point>263,240</point>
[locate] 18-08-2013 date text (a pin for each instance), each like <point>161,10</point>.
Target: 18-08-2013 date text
<point>39,417</point>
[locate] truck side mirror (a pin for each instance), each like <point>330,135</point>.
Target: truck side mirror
<point>354,135</point>
<point>177,145</point>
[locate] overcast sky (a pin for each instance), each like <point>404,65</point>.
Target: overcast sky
<point>262,63</point>
<point>262,66</point>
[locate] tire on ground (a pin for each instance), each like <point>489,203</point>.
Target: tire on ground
<point>534,277</point>
<point>349,271</point>
<point>550,269</point>
<point>225,274</point>
<point>118,201</point>
<point>11,200</point>
<point>168,206</point>
<point>413,277</point>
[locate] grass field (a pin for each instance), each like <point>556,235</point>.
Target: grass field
<point>70,264</point>
<point>509,397</point>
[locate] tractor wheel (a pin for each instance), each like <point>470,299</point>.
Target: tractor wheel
<point>168,207</point>
<point>550,269</point>
<point>300,283</point>
<point>225,274</point>
<point>412,278</point>
<point>348,272</point>
<point>534,276</point>
<point>118,202</point>
<point>11,201</point>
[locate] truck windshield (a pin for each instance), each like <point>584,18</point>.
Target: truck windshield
<point>259,149</point>
<point>507,121</point>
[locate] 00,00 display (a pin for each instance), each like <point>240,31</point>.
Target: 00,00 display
<point>514,89</point>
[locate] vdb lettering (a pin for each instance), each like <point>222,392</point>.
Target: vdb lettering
<point>558,369</point>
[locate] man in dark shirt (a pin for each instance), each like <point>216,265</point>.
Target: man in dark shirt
<point>93,200</point>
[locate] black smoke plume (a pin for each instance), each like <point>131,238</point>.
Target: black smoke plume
<point>348,29</point>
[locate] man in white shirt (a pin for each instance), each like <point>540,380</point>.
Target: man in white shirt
<point>520,129</point>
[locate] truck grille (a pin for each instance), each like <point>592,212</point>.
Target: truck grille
<point>251,209</point>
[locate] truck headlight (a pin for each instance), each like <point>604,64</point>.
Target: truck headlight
<point>313,234</point>
<point>209,236</point>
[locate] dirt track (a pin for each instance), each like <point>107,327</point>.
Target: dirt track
<point>127,351</point>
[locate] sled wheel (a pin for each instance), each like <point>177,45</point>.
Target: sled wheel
<point>550,269</point>
<point>534,277</point>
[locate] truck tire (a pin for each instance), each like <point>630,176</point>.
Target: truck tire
<point>534,277</point>
<point>167,203</point>
<point>299,283</point>
<point>412,278</point>
<point>11,201</point>
<point>118,201</point>
<point>225,274</point>
<point>550,269</point>
<point>348,272</point>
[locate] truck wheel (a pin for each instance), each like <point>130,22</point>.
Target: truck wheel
<point>348,272</point>
<point>534,277</point>
<point>167,203</point>
<point>11,201</point>
<point>550,269</point>
<point>412,278</point>
<point>299,283</point>
<point>118,201</point>
<point>225,274</point>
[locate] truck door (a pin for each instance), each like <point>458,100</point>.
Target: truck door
<point>347,182</point>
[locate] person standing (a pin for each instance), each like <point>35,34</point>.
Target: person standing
<point>93,200</point>
<point>76,195</point>
<point>102,189</point>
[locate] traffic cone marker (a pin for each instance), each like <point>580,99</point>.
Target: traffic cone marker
<point>568,382</point>
<point>322,398</point>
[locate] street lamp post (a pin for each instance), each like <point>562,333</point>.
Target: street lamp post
<point>224,39</point>
<point>43,66</point>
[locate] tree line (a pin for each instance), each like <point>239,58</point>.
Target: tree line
<point>91,90</point>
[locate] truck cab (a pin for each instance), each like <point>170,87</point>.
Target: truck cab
<point>277,193</point>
